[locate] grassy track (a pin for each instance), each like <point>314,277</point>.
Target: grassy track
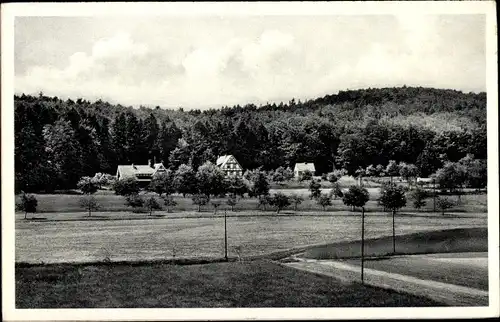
<point>241,284</point>
<point>142,239</point>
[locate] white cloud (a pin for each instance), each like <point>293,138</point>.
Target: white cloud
<point>210,65</point>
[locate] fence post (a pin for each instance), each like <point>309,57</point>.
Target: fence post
<point>225,235</point>
<point>362,245</point>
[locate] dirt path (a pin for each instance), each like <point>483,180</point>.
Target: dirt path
<point>443,292</point>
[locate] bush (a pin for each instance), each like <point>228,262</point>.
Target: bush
<point>324,176</point>
<point>305,175</point>
<point>28,203</point>
<point>333,177</point>
<point>126,187</point>
<point>419,195</point>
<point>88,185</point>
<point>135,201</point>
<point>264,201</point>
<point>315,188</point>
<point>336,191</point>
<point>232,201</point>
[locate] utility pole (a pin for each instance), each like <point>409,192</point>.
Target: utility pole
<point>362,245</point>
<point>225,234</point>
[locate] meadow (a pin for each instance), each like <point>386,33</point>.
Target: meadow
<point>150,238</point>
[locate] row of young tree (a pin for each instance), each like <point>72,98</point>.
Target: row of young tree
<point>59,141</point>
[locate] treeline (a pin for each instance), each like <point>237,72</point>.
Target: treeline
<point>59,141</point>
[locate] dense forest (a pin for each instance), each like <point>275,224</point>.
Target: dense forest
<point>58,141</point>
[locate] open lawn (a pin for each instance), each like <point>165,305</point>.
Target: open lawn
<point>239,284</point>
<point>164,237</point>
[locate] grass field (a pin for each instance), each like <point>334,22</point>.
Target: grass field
<point>445,241</point>
<point>438,268</point>
<point>240,284</point>
<point>108,201</point>
<point>144,239</point>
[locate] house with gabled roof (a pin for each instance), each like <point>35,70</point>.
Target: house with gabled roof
<point>142,173</point>
<point>229,165</point>
<point>303,167</point>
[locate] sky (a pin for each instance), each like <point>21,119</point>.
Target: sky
<point>211,61</point>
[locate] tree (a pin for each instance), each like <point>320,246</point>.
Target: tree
<point>324,201</point>
<point>443,204</point>
<point>169,202</point>
<point>236,185</point>
<point>360,173</point>
<point>451,176</point>
<point>356,196</point>
<point>151,203</point>
<point>126,187</point>
<point>280,201</point>
<point>264,201</point>
<point>371,171</point>
<point>408,171</point>
<point>28,203</point>
<point>232,201</point>
<point>259,184</point>
<point>88,185</point>
<point>185,180</point>
<point>210,179</point>
<point>336,191</point>
<point>315,189</point>
<point>200,200</point>
<point>392,169</point>
<point>135,201</point>
<point>419,195</point>
<point>296,200</point>
<point>216,204</point>
<point>380,170</point>
<point>392,197</point>
<point>90,203</point>
<point>163,183</point>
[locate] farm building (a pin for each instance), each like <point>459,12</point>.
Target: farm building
<point>302,167</point>
<point>229,165</point>
<point>142,173</point>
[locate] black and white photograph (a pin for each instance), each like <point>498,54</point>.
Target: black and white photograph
<point>269,160</point>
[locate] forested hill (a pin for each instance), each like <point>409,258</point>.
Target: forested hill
<point>65,139</point>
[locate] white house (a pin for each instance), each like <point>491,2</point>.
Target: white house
<point>142,173</point>
<point>302,167</point>
<point>229,165</point>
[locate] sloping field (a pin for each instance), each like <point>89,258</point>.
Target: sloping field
<point>454,240</point>
<point>143,239</point>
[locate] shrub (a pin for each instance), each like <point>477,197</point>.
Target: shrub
<point>135,201</point>
<point>418,195</point>
<point>305,175</point>
<point>263,202</point>
<point>88,185</point>
<point>216,204</point>
<point>28,203</point>
<point>336,191</point>
<point>126,187</point>
<point>332,177</point>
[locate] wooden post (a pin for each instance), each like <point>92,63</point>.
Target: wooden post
<point>362,245</point>
<point>393,232</point>
<point>225,235</point>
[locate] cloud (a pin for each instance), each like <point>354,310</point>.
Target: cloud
<point>211,65</point>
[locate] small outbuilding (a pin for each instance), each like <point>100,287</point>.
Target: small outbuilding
<point>303,167</point>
